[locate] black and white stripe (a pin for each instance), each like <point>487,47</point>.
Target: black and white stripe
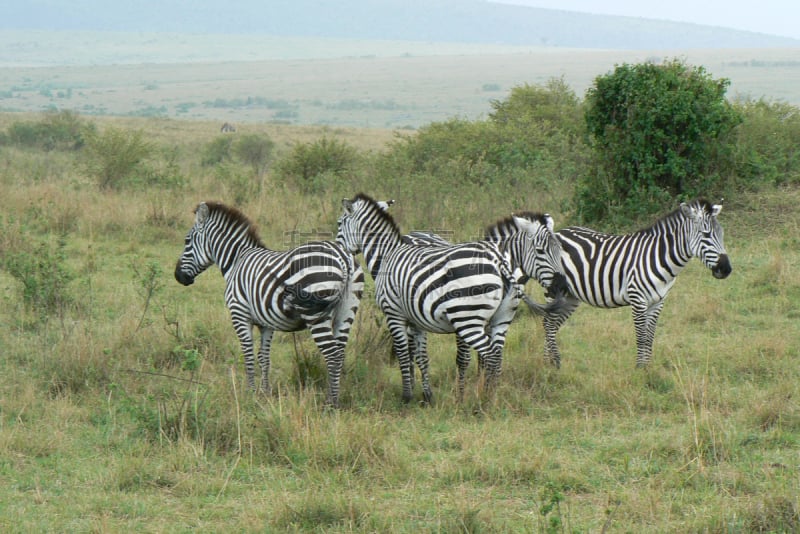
<point>464,289</point>
<point>317,285</point>
<point>539,260</point>
<point>637,270</point>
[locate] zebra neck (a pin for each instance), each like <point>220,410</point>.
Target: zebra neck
<point>673,238</point>
<point>227,253</point>
<point>377,247</point>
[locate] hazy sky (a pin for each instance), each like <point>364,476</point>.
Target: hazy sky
<point>776,17</point>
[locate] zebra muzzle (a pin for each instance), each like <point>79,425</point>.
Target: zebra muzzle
<point>183,278</point>
<point>723,268</point>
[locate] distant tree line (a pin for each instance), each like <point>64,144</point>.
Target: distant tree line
<point>644,137</point>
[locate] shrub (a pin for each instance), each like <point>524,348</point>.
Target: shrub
<point>654,129</point>
<point>44,275</point>
<point>255,150</point>
<point>217,151</point>
<point>58,130</point>
<point>764,147</point>
<point>113,156</point>
<point>312,165</point>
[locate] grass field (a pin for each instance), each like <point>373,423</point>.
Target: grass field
<point>125,408</point>
<point>252,80</point>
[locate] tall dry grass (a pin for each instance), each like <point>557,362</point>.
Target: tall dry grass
<point>120,412</point>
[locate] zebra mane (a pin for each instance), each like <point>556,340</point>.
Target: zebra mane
<point>506,227</point>
<point>234,215</point>
<point>701,203</point>
<point>380,213</point>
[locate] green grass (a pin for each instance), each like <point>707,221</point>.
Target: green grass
<point>116,415</point>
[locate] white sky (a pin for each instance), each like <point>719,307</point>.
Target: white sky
<point>775,17</point>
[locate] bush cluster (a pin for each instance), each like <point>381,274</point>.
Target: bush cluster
<point>56,130</point>
<point>645,136</point>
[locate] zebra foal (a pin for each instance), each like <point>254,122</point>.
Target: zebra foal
<point>315,286</point>
<point>466,289</point>
<point>636,270</point>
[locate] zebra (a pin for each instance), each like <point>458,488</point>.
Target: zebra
<point>508,234</point>
<point>464,288</point>
<point>227,128</point>
<point>636,270</point>
<point>317,285</point>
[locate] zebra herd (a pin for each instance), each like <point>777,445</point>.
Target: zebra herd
<point>423,283</point>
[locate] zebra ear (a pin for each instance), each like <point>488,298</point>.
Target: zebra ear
<point>385,204</point>
<point>347,204</point>
<point>688,211</point>
<point>715,209</point>
<point>201,214</point>
<point>524,224</point>
<point>549,220</point>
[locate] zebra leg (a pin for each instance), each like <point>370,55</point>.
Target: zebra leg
<point>552,322</point>
<point>498,328</point>
<point>263,357</point>
<point>413,354</point>
<point>462,362</point>
<point>475,337</point>
<point>420,342</point>
<point>494,361</point>
<point>244,331</point>
<point>399,332</point>
<point>644,322</point>
<point>332,350</point>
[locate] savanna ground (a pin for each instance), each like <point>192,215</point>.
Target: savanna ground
<point>125,407</point>
<point>367,84</point>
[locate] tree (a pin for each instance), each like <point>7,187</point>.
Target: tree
<point>653,128</point>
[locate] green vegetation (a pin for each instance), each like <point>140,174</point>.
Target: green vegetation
<point>123,403</point>
<point>654,129</point>
<point>115,155</point>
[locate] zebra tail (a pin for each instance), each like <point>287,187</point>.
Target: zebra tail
<point>309,306</point>
<point>553,306</point>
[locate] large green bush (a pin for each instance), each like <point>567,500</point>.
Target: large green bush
<point>654,129</point>
<point>311,165</point>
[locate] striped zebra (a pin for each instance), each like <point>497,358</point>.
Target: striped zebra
<point>317,285</point>
<point>508,234</point>
<point>464,288</point>
<point>636,270</point>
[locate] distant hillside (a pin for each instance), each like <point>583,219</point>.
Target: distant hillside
<point>464,21</point>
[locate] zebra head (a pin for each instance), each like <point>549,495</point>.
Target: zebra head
<point>541,257</point>
<point>195,257</point>
<point>365,223</point>
<point>349,231</point>
<point>706,236</point>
